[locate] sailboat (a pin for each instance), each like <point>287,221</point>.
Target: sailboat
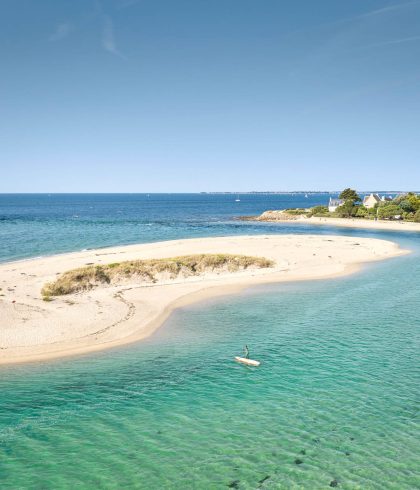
<point>237,199</point>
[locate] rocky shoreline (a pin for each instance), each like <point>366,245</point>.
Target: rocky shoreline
<point>274,215</point>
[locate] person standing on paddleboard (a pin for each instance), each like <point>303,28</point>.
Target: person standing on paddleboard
<point>246,352</point>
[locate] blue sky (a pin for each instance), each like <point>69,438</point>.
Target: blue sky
<point>205,95</point>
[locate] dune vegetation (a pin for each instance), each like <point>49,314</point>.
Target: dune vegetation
<point>150,271</point>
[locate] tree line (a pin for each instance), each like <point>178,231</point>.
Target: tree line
<point>404,206</point>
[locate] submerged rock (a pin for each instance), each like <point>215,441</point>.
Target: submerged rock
<point>298,461</point>
<point>234,484</point>
<point>334,483</point>
<point>264,479</point>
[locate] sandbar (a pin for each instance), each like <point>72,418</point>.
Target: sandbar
<point>32,329</point>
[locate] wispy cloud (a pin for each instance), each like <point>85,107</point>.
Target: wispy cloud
<point>97,16</point>
<point>108,37</point>
<point>390,8</point>
<point>377,12</point>
<point>394,41</point>
<point>371,13</point>
<point>61,31</point>
<point>356,18</point>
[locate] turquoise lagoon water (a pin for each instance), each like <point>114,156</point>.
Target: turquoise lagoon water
<point>335,400</point>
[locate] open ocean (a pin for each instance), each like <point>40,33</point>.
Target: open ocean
<point>334,402</point>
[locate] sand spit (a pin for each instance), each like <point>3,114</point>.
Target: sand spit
<point>32,329</point>
<point>282,217</point>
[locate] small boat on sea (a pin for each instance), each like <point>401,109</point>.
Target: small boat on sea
<point>248,362</point>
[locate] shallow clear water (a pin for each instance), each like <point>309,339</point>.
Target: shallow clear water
<point>337,389</point>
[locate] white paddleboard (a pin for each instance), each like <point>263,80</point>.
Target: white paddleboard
<point>248,362</point>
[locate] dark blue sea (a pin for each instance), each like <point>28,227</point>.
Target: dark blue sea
<point>41,224</point>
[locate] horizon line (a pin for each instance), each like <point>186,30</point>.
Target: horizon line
<point>207,192</point>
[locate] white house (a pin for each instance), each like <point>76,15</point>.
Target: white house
<point>371,200</point>
<point>333,204</point>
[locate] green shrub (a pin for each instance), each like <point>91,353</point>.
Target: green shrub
<point>346,210</point>
<point>389,210</point>
<point>408,216</point>
<point>86,278</point>
<point>361,212</point>
<point>319,211</point>
<point>295,211</point>
<point>409,202</point>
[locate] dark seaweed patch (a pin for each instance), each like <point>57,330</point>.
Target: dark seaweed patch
<point>234,484</point>
<point>264,479</point>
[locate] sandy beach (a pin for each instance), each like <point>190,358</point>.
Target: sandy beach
<point>275,217</point>
<point>32,329</point>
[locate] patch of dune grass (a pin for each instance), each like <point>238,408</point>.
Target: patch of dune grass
<point>89,277</point>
